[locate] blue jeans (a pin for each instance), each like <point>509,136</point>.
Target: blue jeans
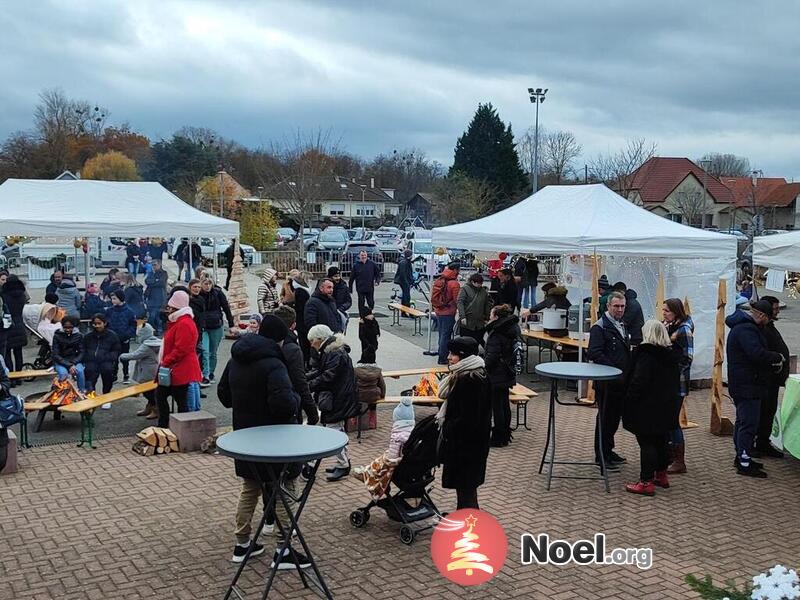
<point>154,318</point>
<point>211,341</point>
<point>528,296</point>
<point>133,268</point>
<point>63,373</point>
<point>446,324</point>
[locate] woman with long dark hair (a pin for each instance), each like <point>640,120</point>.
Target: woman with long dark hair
<point>15,297</point>
<point>681,333</point>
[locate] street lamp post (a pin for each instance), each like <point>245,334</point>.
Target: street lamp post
<point>363,208</point>
<point>537,97</point>
<point>755,222</point>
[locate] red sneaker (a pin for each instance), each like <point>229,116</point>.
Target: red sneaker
<point>643,488</point>
<point>661,479</point>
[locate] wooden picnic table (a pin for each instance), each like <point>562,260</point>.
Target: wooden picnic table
<point>541,336</point>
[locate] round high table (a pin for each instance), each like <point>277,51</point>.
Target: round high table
<point>281,446</point>
<point>572,371</point>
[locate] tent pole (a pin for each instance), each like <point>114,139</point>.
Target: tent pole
<point>214,250</point>
<point>190,273</point>
<point>85,265</point>
<point>580,323</point>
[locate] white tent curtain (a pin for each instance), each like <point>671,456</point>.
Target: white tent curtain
<point>635,245</point>
<point>780,251</point>
<point>83,208</point>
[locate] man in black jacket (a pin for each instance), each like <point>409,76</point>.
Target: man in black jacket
<point>404,277</point>
<point>633,317</point>
<point>366,275</point>
<point>295,362</point>
<point>321,308</point>
<point>750,366</point>
<point>609,344</point>
<point>256,385</point>
<point>769,402</point>
<point>341,295</point>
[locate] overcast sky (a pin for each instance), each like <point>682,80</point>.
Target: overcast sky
<point>691,76</point>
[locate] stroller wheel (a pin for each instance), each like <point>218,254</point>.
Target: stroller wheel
<point>359,517</point>
<point>28,367</point>
<point>406,535</point>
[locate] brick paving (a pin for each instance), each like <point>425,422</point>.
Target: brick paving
<point>107,524</point>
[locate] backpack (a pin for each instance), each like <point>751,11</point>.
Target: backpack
<point>439,295</point>
<point>12,411</point>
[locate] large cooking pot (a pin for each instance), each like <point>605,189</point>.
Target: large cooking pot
<point>554,319</point>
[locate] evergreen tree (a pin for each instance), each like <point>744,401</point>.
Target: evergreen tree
<point>486,152</point>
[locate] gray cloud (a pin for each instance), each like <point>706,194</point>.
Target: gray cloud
<point>693,77</point>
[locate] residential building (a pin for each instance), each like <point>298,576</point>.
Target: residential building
<point>334,199</point>
<point>771,197</point>
<point>679,190</point>
<point>419,208</point>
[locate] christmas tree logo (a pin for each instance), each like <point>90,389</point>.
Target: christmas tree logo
<point>469,547</point>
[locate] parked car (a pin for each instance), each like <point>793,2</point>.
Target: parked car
<point>773,231</point>
<point>388,241</point>
<point>310,236</point>
<point>285,235</point>
<point>421,250</point>
<point>358,233</point>
<point>332,239</point>
<point>740,235</point>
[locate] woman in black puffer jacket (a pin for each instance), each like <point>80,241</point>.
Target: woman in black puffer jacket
<point>15,297</point>
<point>504,332</point>
<point>215,304</point>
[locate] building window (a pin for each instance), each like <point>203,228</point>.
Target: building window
<point>366,210</point>
<point>677,218</point>
<point>318,208</point>
<point>337,210</point>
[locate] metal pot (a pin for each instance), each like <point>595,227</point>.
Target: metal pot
<point>554,318</point>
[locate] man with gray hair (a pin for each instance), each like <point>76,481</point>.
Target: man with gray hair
<point>609,344</point>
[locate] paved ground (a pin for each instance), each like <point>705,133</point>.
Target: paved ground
<point>108,523</point>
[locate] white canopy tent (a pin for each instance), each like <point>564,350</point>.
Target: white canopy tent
<point>83,208</point>
<point>636,245</point>
<point>780,251</point>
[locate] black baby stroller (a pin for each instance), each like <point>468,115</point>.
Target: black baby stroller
<point>412,479</point>
<point>44,358</point>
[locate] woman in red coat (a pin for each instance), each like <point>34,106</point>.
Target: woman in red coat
<point>178,355</point>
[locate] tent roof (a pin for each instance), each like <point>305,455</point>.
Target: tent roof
<point>584,219</point>
<point>779,251</point>
<point>34,207</point>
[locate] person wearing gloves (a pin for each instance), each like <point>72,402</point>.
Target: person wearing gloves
<point>101,352</point>
<point>178,356</point>
<point>69,298</point>
<point>267,293</point>
<point>275,327</point>
<point>334,384</point>
<point>465,421</point>
<point>146,357</point>
<point>67,351</point>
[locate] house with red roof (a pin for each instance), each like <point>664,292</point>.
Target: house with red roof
<point>680,190</point>
<point>772,197</point>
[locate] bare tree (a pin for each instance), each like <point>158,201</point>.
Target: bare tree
<point>406,171</point>
<point>525,149</point>
<point>560,148</point>
<point>617,169</point>
<point>297,178</point>
<point>458,198</point>
<point>691,205</point>
<point>726,165</point>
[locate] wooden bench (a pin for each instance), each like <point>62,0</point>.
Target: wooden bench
<point>436,370</point>
<point>85,408</point>
<point>420,400</point>
<point>31,374</point>
<point>521,402</point>
<point>398,309</point>
<point>521,390</point>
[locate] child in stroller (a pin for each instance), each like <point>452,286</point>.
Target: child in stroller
<point>412,477</point>
<point>42,320</point>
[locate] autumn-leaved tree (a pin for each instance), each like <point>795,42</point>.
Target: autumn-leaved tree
<point>258,225</point>
<point>110,166</point>
<point>208,195</point>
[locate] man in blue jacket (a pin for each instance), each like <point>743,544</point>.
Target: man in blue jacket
<point>750,367</point>
<point>366,275</point>
<point>610,344</point>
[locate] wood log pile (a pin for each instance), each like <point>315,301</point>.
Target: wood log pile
<point>155,440</point>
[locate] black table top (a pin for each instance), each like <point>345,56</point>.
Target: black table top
<point>282,443</point>
<point>574,371</point>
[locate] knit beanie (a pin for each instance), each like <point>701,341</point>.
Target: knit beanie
<point>319,332</point>
<point>602,283</point>
<point>463,346</point>
<point>404,410</point>
<point>180,299</point>
<point>273,328</point>
<point>332,271</point>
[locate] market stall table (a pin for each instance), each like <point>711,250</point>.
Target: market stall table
<point>571,371</point>
<point>282,445</point>
<point>789,416</point>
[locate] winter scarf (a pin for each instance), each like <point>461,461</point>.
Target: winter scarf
<point>468,363</point>
<point>186,310</point>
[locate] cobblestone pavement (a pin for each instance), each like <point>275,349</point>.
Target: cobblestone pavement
<point>107,524</point>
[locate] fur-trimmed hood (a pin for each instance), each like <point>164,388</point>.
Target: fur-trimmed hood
<point>333,343</point>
